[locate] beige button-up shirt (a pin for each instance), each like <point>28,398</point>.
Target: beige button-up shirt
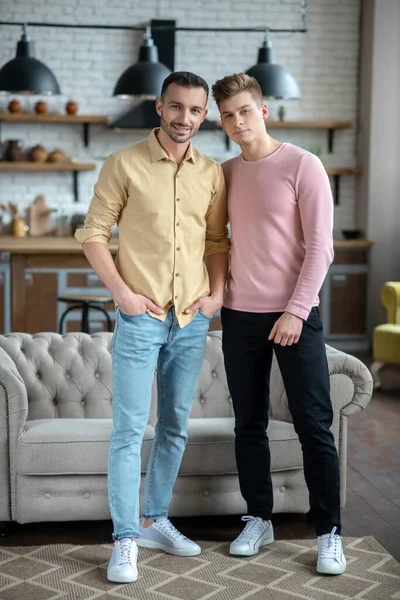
<point>169,219</point>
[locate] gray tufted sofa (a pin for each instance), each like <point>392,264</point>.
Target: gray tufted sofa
<point>55,425</point>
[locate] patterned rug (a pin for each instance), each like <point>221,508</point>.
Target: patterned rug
<point>283,571</point>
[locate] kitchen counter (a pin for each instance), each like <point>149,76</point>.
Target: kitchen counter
<point>69,245</point>
<point>66,253</point>
<point>39,253</point>
<point>45,245</point>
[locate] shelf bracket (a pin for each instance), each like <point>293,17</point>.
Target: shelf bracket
<point>331,133</point>
<point>227,141</point>
<point>86,134</point>
<point>75,185</point>
<point>336,189</point>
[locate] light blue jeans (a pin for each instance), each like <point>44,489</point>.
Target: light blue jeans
<point>141,343</point>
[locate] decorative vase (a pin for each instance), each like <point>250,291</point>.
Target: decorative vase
<point>13,151</point>
<point>281,113</point>
<point>38,154</point>
<point>71,107</point>
<point>57,156</point>
<point>19,227</point>
<point>41,107</point>
<point>14,106</point>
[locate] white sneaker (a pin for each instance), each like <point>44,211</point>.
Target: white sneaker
<point>257,533</point>
<point>162,535</point>
<point>331,560</point>
<point>122,567</point>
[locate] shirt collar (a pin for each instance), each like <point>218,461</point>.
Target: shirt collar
<point>158,153</point>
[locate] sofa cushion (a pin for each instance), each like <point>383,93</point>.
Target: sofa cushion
<point>65,446</point>
<point>211,447</point>
<point>80,446</point>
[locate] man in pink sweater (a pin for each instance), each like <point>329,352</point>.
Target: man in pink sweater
<point>281,215</point>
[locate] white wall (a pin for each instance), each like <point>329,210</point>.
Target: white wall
<point>378,208</point>
<point>87,64</point>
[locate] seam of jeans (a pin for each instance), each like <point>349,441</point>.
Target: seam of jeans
<point>159,420</point>
<point>114,436</point>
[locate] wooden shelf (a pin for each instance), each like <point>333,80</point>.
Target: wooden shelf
<point>46,166</point>
<point>330,126</point>
<point>84,120</point>
<point>308,124</point>
<point>51,118</point>
<point>64,167</point>
<point>343,170</point>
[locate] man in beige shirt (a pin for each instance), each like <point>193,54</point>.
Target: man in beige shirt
<point>169,201</point>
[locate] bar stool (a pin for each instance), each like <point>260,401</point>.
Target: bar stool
<point>85,302</point>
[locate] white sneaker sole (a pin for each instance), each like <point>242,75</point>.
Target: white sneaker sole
<point>157,546</point>
<point>122,578</point>
<point>266,543</point>
<point>327,572</point>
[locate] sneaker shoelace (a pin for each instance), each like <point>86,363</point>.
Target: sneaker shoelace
<point>171,532</point>
<point>125,550</point>
<point>254,527</point>
<point>331,545</point>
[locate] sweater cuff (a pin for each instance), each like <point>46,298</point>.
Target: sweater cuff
<point>297,311</point>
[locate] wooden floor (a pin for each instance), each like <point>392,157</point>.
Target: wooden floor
<point>373,496</point>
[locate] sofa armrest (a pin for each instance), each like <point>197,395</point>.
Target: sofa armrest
<point>357,373</point>
<point>13,414</point>
<point>390,298</point>
<point>351,390</point>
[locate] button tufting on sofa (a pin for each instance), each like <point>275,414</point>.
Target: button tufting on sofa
<point>58,436</point>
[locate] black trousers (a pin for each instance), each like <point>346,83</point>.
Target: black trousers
<point>304,369</point>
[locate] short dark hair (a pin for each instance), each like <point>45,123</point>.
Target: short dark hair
<point>185,79</point>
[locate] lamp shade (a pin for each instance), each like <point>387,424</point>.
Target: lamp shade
<point>274,80</point>
<point>24,74</point>
<point>145,78</point>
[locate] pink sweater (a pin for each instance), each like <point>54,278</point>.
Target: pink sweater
<point>281,216</point>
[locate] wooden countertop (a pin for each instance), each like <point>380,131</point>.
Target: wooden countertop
<point>361,243</point>
<point>45,245</point>
<point>69,245</point>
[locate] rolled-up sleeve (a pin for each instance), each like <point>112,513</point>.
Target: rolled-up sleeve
<point>217,239</point>
<point>110,194</point>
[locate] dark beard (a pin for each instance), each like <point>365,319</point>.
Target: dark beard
<point>178,139</point>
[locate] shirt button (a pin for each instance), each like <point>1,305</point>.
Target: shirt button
<point>176,297</point>
<point>96,375</point>
<point>176,274</point>
<point>178,248</point>
<point>177,224</point>
<point>178,199</point>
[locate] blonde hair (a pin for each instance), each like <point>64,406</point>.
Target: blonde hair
<point>231,85</point>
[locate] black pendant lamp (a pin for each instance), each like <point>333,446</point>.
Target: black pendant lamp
<point>24,74</point>
<point>145,78</point>
<point>274,80</point>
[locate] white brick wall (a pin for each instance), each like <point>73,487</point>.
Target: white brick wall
<point>87,64</point>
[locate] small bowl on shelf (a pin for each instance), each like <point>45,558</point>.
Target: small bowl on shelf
<point>351,234</point>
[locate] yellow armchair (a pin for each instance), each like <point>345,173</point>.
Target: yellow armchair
<point>386,337</point>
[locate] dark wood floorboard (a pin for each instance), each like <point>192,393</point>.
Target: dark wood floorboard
<point>373,489</point>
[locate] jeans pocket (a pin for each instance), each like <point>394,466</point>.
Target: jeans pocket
<point>126,317</point>
<point>205,316</point>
